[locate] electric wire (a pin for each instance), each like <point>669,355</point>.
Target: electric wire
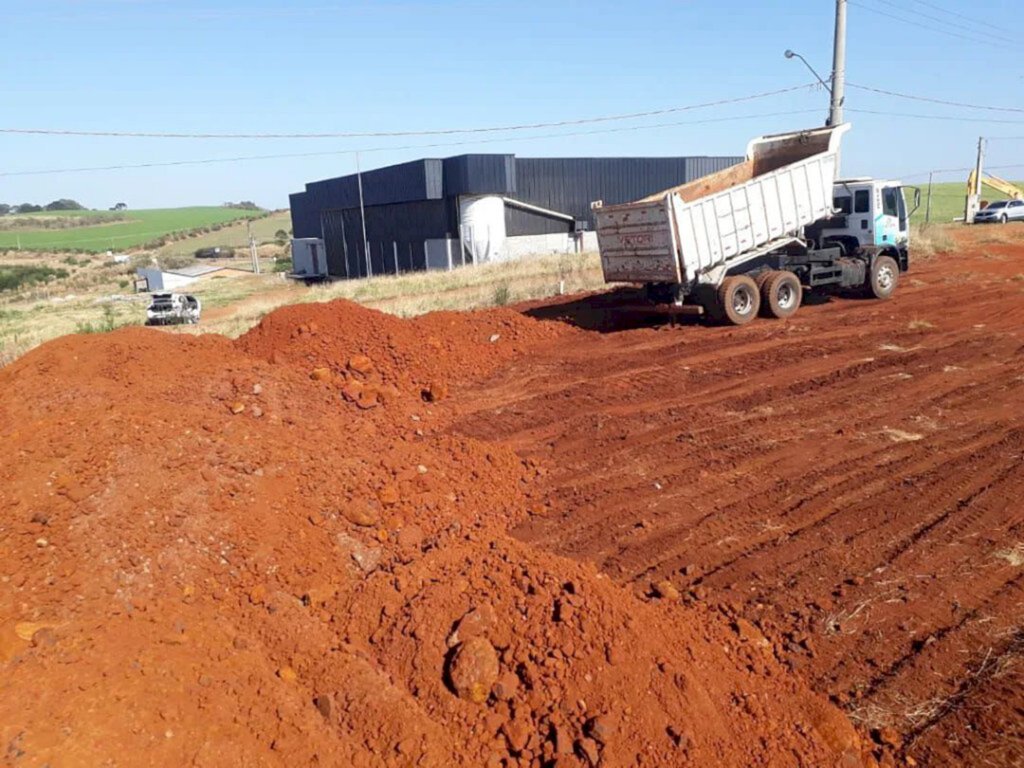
<point>965,17</point>
<point>930,100</point>
<point>403,134</point>
<point>956,25</point>
<point>966,169</point>
<point>953,118</point>
<point>940,30</point>
<point>367,150</point>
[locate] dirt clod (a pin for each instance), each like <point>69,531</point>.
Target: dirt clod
<point>473,669</point>
<point>665,589</point>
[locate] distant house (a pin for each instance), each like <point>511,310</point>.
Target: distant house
<point>157,279</point>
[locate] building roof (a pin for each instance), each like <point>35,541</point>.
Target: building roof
<point>197,270</point>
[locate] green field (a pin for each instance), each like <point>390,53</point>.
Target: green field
<point>948,200</point>
<point>141,227</point>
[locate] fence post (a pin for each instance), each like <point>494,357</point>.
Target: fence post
<point>928,207</point>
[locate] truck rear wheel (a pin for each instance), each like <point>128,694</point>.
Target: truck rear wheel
<point>883,277</point>
<point>738,300</point>
<point>781,294</point>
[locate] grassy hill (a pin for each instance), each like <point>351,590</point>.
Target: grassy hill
<point>125,230</point>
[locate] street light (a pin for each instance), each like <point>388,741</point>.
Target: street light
<point>793,54</point>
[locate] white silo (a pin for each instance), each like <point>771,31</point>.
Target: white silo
<point>482,227</point>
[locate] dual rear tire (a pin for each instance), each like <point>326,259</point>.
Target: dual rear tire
<point>740,298</point>
<point>778,293</point>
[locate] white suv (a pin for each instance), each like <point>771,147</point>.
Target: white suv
<point>1001,211</point>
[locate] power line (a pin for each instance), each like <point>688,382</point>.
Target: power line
<point>395,134</point>
<point>966,169</point>
<point>954,118</point>
<point>953,24</point>
<point>930,28</point>
<point>210,161</point>
<point>934,101</point>
<point>963,16</point>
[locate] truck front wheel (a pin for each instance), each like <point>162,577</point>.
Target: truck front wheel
<point>883,277</point>
<point>738,300</point>
<point>781,294</point>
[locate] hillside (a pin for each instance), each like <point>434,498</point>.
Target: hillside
<point>114,231</point>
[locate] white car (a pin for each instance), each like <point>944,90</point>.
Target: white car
<point>173,309</point>
<point>1000,212</point>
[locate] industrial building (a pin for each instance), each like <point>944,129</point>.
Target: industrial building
<point>442,213</point>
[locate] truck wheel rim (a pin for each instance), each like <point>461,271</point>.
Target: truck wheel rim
<point>785,296</point>
<point>885,277</point>
<point>741,301</point>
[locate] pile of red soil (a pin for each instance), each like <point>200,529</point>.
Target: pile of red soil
<point>432,350</point>
<point>214,553</point>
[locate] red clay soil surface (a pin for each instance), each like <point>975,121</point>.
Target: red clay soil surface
<point>850,481</point>
<point>560,538</point>
<point>276,552</point>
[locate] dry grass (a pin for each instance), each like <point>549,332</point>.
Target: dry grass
<point>918,324</point>
<point>413,294</point>
<point>930,240</point>
<point>901,436</point>
<point>232,305</point>
<point>999,234</point>
<point>1014,555</point>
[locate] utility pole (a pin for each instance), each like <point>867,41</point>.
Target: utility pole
<point>974,195</point>
<point>362,216</point>
<point>835,113</point>
<point>253,253</point>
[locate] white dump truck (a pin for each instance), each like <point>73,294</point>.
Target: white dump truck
<point>751,238</point>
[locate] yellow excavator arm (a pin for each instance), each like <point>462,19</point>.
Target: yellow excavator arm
<point>1000,185</point>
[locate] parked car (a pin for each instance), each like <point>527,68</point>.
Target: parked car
<point>173,309</point>
<point>1000,212</point>
<point>215,253</point>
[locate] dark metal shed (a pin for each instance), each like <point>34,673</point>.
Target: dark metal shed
<point>414,207</point>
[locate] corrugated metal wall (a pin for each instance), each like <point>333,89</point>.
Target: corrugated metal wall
<point>305,220</point>
<point>408,182</point>
<point>480,175</point>
<point>401,226</point>
<point>413,202</point>
<point>570,185</point>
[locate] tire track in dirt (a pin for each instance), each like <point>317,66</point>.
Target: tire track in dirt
<point>845,480</point>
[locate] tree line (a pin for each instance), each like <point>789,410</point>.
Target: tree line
<point>63,204</point>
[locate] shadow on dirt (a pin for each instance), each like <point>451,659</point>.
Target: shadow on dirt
<point>622,309</point>
<point>626,309</point>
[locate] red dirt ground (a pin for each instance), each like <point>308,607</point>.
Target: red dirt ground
<point>274,552</point>
<point>491,539</point>
<point>849,480</point>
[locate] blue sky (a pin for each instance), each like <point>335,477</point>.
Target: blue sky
<point>317,66</point>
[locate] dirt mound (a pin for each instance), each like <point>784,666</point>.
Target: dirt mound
<point>429,351</point>
<point>210,557</point>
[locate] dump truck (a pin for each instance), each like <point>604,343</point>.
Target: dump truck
<point>752,238</point>
<point>173,309</point>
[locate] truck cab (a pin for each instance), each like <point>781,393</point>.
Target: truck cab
<point>871,217</point>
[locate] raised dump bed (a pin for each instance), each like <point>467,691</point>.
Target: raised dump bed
<point>694,232</point>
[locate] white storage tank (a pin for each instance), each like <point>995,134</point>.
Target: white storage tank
<point>482,227</point>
